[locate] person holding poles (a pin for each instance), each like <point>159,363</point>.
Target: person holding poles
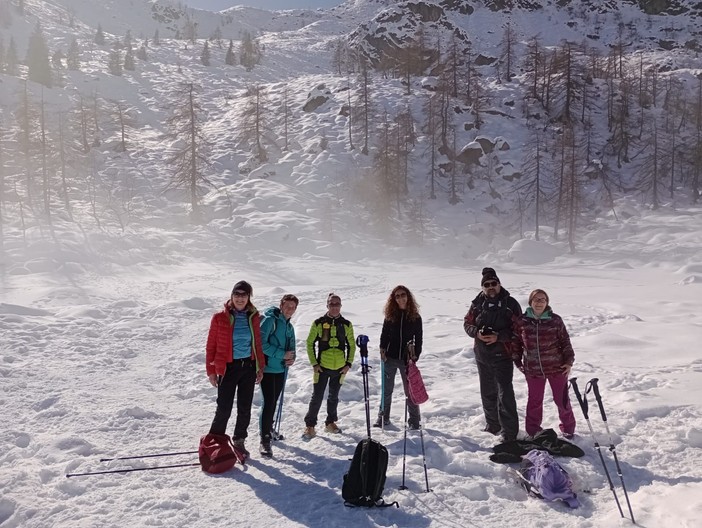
<point>278,337</point>
<point>400,340</point>
<point>234,361</point>
<point>332,336</point>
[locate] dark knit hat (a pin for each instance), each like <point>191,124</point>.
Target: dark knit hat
<point>489,275</point>
<point>243,286</point>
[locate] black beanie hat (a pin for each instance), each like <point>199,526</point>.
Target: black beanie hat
<point>243,286</point>
<point>488,275</point>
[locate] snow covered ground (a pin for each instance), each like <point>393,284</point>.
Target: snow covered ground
<point>111,363</point>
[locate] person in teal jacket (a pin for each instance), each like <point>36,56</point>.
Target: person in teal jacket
<point>278,337</point>
<point>331,347</point>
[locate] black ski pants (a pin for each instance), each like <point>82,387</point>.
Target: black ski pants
<point>240,375</point>
<point>333,379</point>
<point>497,392</point>
<point>271,387</point>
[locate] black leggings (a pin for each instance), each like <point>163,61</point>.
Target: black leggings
<point>241,375</point>
<point>271,387</point>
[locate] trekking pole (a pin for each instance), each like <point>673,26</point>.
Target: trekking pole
<point>129,470</point>
<point>404,450</point>
<point>279,413</point>
<point>382,395</point>
<point>424,458</point>
<point>582,400</point>
<point>148,456</point>
<point>592,385</point>
<point>362,343</point>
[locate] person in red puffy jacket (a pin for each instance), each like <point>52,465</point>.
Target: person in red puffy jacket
<point>235,361</point>
<point>545,355</point>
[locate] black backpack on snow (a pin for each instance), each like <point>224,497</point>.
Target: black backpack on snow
<point>364,483</point>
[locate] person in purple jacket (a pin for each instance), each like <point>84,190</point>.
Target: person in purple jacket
<point>545,355</point>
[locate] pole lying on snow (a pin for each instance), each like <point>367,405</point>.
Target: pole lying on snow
<point>129,470</point>
<point>148,456</point>
<point>592,386</point>
<point>582,400</point>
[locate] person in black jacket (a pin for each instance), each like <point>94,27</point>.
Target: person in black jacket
<point>489,322</point>
<point>400,341</point>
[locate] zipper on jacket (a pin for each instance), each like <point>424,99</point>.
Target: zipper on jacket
<point>538,348</point>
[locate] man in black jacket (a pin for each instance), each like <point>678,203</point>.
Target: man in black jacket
<point>489,322</point>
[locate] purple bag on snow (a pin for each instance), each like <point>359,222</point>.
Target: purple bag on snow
<point>544,477</point>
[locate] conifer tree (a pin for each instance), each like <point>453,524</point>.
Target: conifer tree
<point>73,57</point>
<point>254,121</point>
<point>38,67</point>
<point>141,53</point>
<point>114,64</point>
<point>250,54</point>
<point>190,160</point>
<point>99,36</point>
<point>129,59</point>
<point>156,40</point>
<point>230,57</point>
<point>11,61</point>
<point>205,55</point>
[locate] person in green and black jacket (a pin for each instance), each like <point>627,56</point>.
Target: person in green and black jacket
<point>331,347</point>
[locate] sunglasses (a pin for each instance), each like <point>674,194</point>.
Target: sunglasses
<point>539,300</point>
<point>239,293</point>
<point>400,295</point>
<point>490,284</point>
<point>334,305</point>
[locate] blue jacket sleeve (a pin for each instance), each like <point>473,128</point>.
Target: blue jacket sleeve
<point>271,344</point>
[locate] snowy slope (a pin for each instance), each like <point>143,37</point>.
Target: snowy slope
<point>111,364</point>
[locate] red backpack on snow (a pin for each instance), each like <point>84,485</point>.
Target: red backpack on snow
<point>216,453</point>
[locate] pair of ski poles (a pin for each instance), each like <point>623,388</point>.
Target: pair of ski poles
<point>135,457</point>
<point>582,400</point>
<point>276,436</point>
<point>404,442</point>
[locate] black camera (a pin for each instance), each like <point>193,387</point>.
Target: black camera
<point>486,330</point>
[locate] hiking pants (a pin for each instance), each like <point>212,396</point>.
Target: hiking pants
<point>241,375</point>
<point>496,391</point>
<point>333,378</point>
<point>535,403</point>
<point>271,387</point>
<point>390,368</point>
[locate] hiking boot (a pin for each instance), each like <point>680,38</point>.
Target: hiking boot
<point>332,428</point>
<point>309,432</point>
<point>568,436</point>
<point>381,423</point>
<point>493,430</point>
<point>504,437</point>
<point>265,448</point>
<point>413,426</point>
<point>238,444</point>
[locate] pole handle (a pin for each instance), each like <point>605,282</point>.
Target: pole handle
<point>581,400</point>
<point>592,386</point>
<point>362,344</point>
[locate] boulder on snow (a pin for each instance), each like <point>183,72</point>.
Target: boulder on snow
<point>316,98</point>
<point>470,154</point>
<point>527,251</point>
